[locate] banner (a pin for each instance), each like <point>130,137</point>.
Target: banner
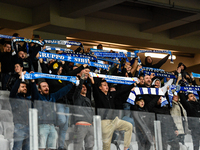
<point>78,60</point>
<point>62,42</point>
<point>82,55</point>
<point>195,75</point>
<point>152,69</point>
<point>37,75</point>
<point>112,55</point>
<point>9,37</point>
<point>115,79</point>
<point>129,54</point>
<point>158,74</point>
<point>109,60</point>
<point>57,49</point>
<point>142,91</point>
<point>28,41</point>
<point>154,51</point>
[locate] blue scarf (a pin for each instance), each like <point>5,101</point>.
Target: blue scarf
<point>82,55</point>
<point>195,75</point>
<point>109,60</point>
<point>9,37</point>
<point>105,54</point>
<point>165,75</point>
<point>28,41</point>
<point>37,75</point>
<point>62,42</point>
<point>57,49</point>
<point>78,60</point>
<point>153,51</point>
<point>115,79</point>
<point>142,91</point>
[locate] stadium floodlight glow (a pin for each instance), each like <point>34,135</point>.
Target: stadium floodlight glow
<point>156,55</point>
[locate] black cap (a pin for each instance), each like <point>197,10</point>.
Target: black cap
<point>139,99</point>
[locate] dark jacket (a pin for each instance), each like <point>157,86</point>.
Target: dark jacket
<point>55,85</point>
<point>193,111</point>
<point>20,105</point>
<point>157,65</point>
<point>162,114</point>
<point>86,111</point>
<point>11,81</point>
<point>6,62</point>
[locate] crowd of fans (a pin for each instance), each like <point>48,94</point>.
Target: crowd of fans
<point>92,94</point>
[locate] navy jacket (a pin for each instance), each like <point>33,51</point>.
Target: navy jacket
<point>20,105</point>
<point>46,104</point>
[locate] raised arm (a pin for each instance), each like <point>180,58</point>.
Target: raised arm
<point>76,96</point>
<point>62,92</point>
<point>34,91</point>
<point>161,62</point>
<point>134,66</point>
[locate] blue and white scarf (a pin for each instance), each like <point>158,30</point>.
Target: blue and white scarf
<point>143,91</point>
<point>37,75</point>
<point>9,37</point>
<point>115,79</point>
<point>109,60</point>
<point>159,74</point>
<point>129,54</point>
<point>57,49</point>
<point>28,41</point>
<point>78,60</point>
<point>153,51</point>
<point>195,75</point>
<point>62,42</point>
<point>82,55</point>
<point>112,55</point>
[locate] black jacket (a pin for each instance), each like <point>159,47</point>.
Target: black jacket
<point>193,111</point>
<point>6,62</point>
<point>86,111</point>
<point>162,114</point>
<point>55,85</point>
<point>12,80</point>
<point>20,105</point>
<point>157,65</point>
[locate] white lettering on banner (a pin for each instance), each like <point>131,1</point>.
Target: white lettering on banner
<point>69,58</point>
<point>190,88</point>
<point>62,42</point>
<point>81,60</point>
<point>73,43</point>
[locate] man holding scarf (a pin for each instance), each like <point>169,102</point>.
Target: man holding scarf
<point>46,112</point>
